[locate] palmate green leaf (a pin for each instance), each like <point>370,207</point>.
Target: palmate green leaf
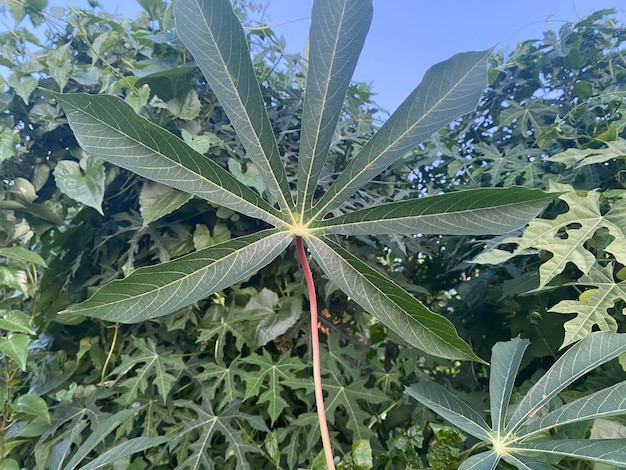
<point>107,127</point>
<point>455,410</point>
<point>608,451</point>
<point>212,33</point>
<point>580,158</point>
<point>271,376</point>
<point>580,223</point>
<point>472,212</point>
<point>388,302</point>
<point>156,367</point>
<point>130,447</point>
<point>593,306</point>
<point>338,30</point>
<point>207,424</point>
<point>347,397</point>
<point>448,90</point>
<point>610,401</point>
<point>155,291</point>
<point>506,358</point>
<point>521,439</point>
<point>103,430</point>
<point>596,349</point>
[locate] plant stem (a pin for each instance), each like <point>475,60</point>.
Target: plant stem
<point>315,344</point>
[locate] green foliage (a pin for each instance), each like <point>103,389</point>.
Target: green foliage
<point>522,437</point>
<point>224,382</point>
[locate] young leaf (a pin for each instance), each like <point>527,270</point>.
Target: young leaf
<point>388,302</point>
<point>107,127</point>
<point>471,212</point>
<point>338,30</point>
<point>155,291</point>
<point>593,306</point>
<point>212,32</point>
<point>449,90</point>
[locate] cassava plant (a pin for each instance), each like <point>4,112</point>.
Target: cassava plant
<point>526,435</point>
<point>291,206</point>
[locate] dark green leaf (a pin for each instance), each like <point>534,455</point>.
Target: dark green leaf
<point>155,291</point>
<point>338,30</point>
<point>471,212</point>
<point>449,90</point>
<point>391,304</point>
<point>214,35</point>
<point>126,139</point>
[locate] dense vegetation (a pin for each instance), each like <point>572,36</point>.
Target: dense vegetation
<point>225,382</point>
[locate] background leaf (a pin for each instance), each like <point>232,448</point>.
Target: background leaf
<point>83,181</point>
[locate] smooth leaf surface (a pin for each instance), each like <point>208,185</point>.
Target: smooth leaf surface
<point>83,182</point>
<point>449,90</point>
<point>155,291</point>
<point>107,127</point>
<point>16,321</point>
<point>213,34</point>
<point>608,451</point>
<point>20,253</point>
<point>470,212</point>
<point>338,30</point>
<point>15,346</point>
<point>483,461</point>
<point>609,401</point>
<point>388,302</point>
<point>506,358</point>
<point>448,406</point>
<point>130,447</point>
<point>596,349</point>
<point>157,200</point>
<point>32,405</point>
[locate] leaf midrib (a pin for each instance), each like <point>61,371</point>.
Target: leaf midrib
<point>321,211</point>
<point>278,221</point>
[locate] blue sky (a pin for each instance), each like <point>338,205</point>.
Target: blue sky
<point>408,36</point>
